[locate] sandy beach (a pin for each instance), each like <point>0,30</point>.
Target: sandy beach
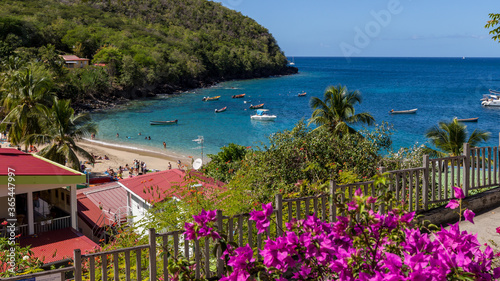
<point>120,156</point>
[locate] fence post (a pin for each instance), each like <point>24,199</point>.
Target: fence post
<point>466,175</point>
<point>279,214</point>
<point>152,254</point>
<point>220,262</point>
<point>77,258</point>
<point>382,205</point>
<point>425,182</point>
<point>333,208</point>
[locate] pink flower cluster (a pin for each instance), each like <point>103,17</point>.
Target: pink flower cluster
<point>200,228</point>
<point>364,245</point>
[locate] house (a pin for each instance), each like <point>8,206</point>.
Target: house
<point>39,197</point>
<point>130,198</point>
<point>72,61</point>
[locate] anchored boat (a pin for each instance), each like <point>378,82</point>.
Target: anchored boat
<point>210,98</point>
<point>163,122</point>
<point>410,111</point>
<point>221,110</point>
<point>263,116</point>
<point>257,106</point>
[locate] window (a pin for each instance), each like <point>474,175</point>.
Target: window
<point>67,199</point>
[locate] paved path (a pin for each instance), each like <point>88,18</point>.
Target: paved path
<point>485,225</point>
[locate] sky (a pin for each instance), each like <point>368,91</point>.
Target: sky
<point>376,28</point>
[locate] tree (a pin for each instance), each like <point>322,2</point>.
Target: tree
<point>61,129</point>
<point>450,138</point>
<point>24,98</point>
<point>336,110</point>
<point>494,24</point>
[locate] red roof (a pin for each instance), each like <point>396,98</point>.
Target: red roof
<point>168,182</point>
<point>57,245</point>
<point>110,197</point>
<point>72,57</point>
<point>26,164</point>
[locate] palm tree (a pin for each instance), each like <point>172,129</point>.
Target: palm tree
<point>61,130</point>
<point>450,138</point>
<point>24,98</point>
<point>336,110</point>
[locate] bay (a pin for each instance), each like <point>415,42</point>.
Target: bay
<point>441,88</point>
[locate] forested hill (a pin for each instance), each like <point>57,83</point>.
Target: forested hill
<point>147,45</point>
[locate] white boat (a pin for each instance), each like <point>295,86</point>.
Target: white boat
<point>410,111</point>
<point>491,102</point>
<point>263,116</point>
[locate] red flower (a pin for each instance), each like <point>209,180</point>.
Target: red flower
<point>5,223</point>
<point>498,230</point>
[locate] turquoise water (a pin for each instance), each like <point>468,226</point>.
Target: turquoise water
<point>441,88</point>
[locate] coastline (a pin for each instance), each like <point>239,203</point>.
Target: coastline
<point>121,155</point>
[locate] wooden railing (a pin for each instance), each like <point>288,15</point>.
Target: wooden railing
<point>415,189</point>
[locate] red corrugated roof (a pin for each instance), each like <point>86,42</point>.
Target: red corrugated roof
<point>57,245</point>
<point>169,183</point>
<point>110,196</point>
<point>26,164</point>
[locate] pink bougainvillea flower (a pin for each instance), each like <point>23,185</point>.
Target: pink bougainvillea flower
<point>498,230</point>
<point>459,193</point>
<point>261,218</point>
<point>469,215</point>
<point>4,223</point>
<point>358,192</point>
<point>351,206</point>
<point>453,204</point>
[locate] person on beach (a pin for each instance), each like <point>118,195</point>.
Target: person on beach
<point>179,164</point>
<point>169,166</point>
<point>164,145</point>
<point>117,135</point>
<point>92,136</point>
<point>139,133</point>
<point>149,138</point>
<point>106,157</point>
<point>144,168</point>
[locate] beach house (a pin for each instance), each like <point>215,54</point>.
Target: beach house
<point>72,61</point>
<point>38,196</point>
<point>129,199</point>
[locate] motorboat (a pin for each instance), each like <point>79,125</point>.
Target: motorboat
<point>238,96</point>
<point>163,122</point>
<point>491,102</point>
<point>410,111</point>
<point>221,110</point>
<point>210,98</point>
<point>263,116</point>
<point>302,94</point>
<point>257,106</point>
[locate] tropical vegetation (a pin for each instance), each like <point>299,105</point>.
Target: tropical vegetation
<point>449,138</point>
<point>141,47</point>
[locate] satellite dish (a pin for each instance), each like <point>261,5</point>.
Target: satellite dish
<point>197,164</point>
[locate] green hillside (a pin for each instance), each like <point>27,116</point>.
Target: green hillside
<point>148,46</point>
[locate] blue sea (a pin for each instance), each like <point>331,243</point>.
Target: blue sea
<point>441,88</point>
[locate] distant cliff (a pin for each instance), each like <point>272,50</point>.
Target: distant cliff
<point>143,47</point>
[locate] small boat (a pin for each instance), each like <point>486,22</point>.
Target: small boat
<point>238,96</point>
<point>302,94</point>
<point>495,92</point>
<point>257,106</point>
<point>210,98</point>
<point>468,119</point>
<point>221,110</point>
<point>263,116</point>
<point>163,122</point>
<point>410,111</point>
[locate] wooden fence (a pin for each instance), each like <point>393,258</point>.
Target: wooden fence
<point>416,189</point>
